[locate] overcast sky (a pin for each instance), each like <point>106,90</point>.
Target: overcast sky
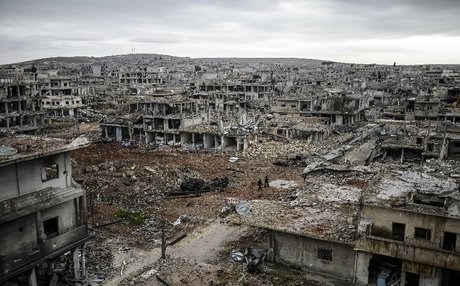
<point>359,31</point>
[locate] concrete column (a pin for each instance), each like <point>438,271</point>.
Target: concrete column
<point>361,276</point>
<point>32,277</point>
<point>78,214</point>
<point>39,227</point>
<point>84,209</point>
<point>76,263</point>
<point>402,155</point>
<point>403,274</point>
<point>271,248</point>
<point>118,133</point>
<point>106,132</point>
<point>83,260</point>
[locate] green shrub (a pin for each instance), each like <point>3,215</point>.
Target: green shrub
<point>133,217</point>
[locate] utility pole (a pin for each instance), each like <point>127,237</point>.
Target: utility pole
<point>163,240</point>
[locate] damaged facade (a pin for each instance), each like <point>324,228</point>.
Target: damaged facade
<point>43,211</point>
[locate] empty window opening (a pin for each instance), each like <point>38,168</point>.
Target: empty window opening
<point>398,231</point>
<point>430,147</point>
<point>449,241</point>
<point>50,172</point>
<point>21,229</point>
<point>429,200</point>
<point>51,227</point>
<point>324,253</point>
<point>412,279</point>
<point>422,233</point>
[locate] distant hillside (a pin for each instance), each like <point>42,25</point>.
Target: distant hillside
<point>150,57</point>
<point>65,60</point>
<point>89,60</point>
<point>287,61</point>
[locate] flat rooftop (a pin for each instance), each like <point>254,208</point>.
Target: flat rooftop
<point>26,147</point>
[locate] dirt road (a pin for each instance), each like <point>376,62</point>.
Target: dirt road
<point>201,246</point>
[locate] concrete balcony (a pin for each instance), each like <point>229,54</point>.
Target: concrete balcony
<point>411,250</point>
<point>34,253</point>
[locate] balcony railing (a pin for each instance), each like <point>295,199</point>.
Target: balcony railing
<point>31,253</point>
<point>415,250</point>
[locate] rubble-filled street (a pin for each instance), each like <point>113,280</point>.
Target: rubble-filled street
<point>148,183</point>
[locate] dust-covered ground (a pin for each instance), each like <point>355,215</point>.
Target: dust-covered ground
<point>134,192</point>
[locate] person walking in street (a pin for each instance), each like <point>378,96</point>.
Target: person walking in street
<point>259,183</point>
<point>266,182</point>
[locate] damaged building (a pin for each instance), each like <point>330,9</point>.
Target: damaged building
<point>43,218</point>
<point>21,108</point>
<point>399,226</point>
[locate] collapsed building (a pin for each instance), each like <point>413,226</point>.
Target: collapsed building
<point>42,210</point>
<point>21,108</point>
<point>399,226</point>
<point>60,97</point>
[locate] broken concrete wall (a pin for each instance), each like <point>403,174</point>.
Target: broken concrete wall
<point>383,218</point>
<point>18,235</point>
<point>195,120</point>
<point>31,176</point>
<point>305,252</point>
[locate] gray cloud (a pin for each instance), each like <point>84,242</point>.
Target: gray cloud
<point>352,30</point>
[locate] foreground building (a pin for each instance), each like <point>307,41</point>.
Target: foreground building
<point>365,226</point>
<point>42,211</point>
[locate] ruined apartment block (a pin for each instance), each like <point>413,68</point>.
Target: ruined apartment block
<point>60,98</point>
<point>335,109</point>
<point>21,109</point>
<point>42,210</point>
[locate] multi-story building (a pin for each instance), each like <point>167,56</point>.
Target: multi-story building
<point>61,97</point>
<point>410,229</point>
<point>21,108</point>
<point>42,210</point>
<point>365,226</point>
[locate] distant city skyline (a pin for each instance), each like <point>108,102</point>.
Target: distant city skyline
<point>353,31</point>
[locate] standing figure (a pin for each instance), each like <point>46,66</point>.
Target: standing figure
<point>259,183</point>
<point>266,182</point>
